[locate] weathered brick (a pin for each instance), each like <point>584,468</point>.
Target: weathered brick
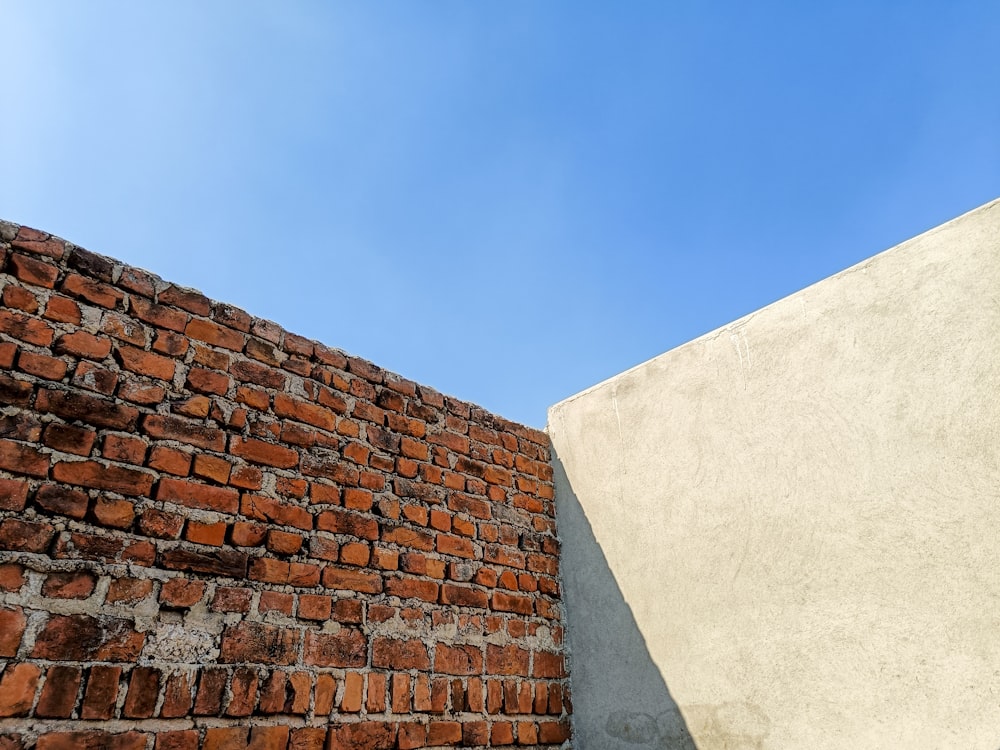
<point>365,735</point>
<point>103,477</point>
<point>215,334</point>
<point>41,366</point>
<point>13,494</point>
<point>69,438</point>
<point>196,495</point>
<point>260,452</point>
<point>25,536</point>
<point>184,431</point>
<point>102,692</point>
<point>145,363</point>
<point>12,624</point>
<point>90,409</point>
<point>345,648</point>
<point>23,459</point>
<point>17,689</point>
<point>208,381</point>
<point>227,563</point>
<point>186,299</point>
<point>344,522</point>
<point>69,585</point>
<point>11,580</point>
<point>351,580</point>
<point>281,513</point>
<point>86,638</point>
<point>389,653</point>
<point>211,689</point>
<point>507,660</point>
<point>143,690</point>
<point>25,328</point>
<point>259,644</point>
<point>95,292</point>
<point>128,590</point>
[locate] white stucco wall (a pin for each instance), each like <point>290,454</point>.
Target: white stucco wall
<point>789,529</point>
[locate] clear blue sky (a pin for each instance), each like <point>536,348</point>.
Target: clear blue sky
<point>509,201</point>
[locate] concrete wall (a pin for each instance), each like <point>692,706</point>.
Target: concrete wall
<point>783,535</point>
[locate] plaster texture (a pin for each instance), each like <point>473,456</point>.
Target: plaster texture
<point>783,534</point>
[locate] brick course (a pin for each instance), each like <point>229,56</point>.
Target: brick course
<point>217,534</point>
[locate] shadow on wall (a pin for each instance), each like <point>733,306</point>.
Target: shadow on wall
<point>620,700</point>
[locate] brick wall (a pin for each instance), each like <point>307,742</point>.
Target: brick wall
<point>217,534</point>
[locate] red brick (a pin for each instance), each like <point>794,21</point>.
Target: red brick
<point>212,467</point>
<point>344,522</point>
<point>259,644</point>
<point>25,536</point>
<point>69,585</point>
<point>94,378</point>
<point>159,524</point>
<point>365,735</point>
<point>17,689</point>
<point>194,495</point>
<point>345,648</point>
<point>231,599</point>
<point>353,696</point>
<point>41,366</point>
<point>506,660</point>
<point>226,738</point>
<point>355,553</point>
<point>8,350</point>
<point>13,494</point>
<point>208,381</point>
<point>11,580</point>
<point>86,638</point>
<point>169,460</point>
<point>211,687</point>
<point>23,459</point>
<point>213,534</point>
<point>123,328</point>
<point>349,611</point>
<point>143,690</point>
<point>553,732</point>
<point>102,692</point>
<point>14,392</point>
<point>281,513</point>
<point>62,310</point>
<point>184,431</point>
<point>248,534</point>
<point>12,624</point>
<point>283,542</point>
<point>86,408</point>
<point>458,546</point>
<point>181,592</point>
<point>243,693</point>
<point>145,363</point>
<point>213,333</point>
<point>141,393</point>
<point>502,733</point>
<point>412,588</point>
<point>128,590</point>
<point>274,601</point>
<point>315,607</point>
<point>409,537</point>
<point>178,739</point>
<point>458,659</point>
<point>375,703</point>
<point>475,733</point>
<point>95,740</point>
<point>69,439</point>
<point>97,476</point>
<point>83,344</point>
<point>115,514</point>
<point>259,452</point>
<point>441,733</point>
<point>222,562</point>
<point>352,580</point>
<point>25,328</point>
<point>268,738</point>
<point>129,450</point>
<point>388,653</point>
<point>186,299</point>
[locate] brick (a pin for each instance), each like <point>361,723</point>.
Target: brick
<point>17,689</point>
<point>259,644</point>
<point>409,538</point>
<point>102,692</point>
<point>274,601</point>
<point>195,495</point>
<point>225,563</point>
<point>94,378</point>
<point>349,611</point>
<point>346,648</point>
<point>145,363</point>
<point>32,241</point>
<point>123,328</point>
<point>457,546</point>
<point>283,542</point>
<point>344,522</point>
<point>232,599</point>
<point>502,733</point>
<point>411,735</point>
<point>213,534</point>
<point>128,590</point>
<point>315,607</point>
<point>389,653</point>
<point>507,660</point>
<point>553,732</point>
<point>281,513</point>
<point>170,344</point>
<point>159,524</point>
<point>14,392</point>
<point>12,624</point>
<point>69,439</point>
<point>86,638</point>
<point>412,588</point>
<point>352,580</point>
<point>83,344</point>
<point>268,738</point>
<point>115,514</point>
<point>211,687</point>
<point>13,494</point>
<point>184,431</point>
<point>25,536</point>
<point>355,553</point>
<point>441,733</point>
<point>41,366</point>
<point>23,459</point>
<point>353,696</point>
<point>307,738</point>
<point>546,664</point>
<point>260,452</point>
<point>208,381</point>
<point>457,659</point>
<point>130,450</point>
<point>143,690</point>
<point>302,411</point>
<point>186,299</point>
<point>400,693</point>
<point>98,476</point>
<point>365,735</point>
<point>141,393</point>
<point>95,740</point>
<point>272,694</point>
<point>86,408</point>
<point>11,580</point>
<point>178,739</point>
<point>375,702</point>
<point>475,733</point>
<point>226,738</point>
<point>169,460</point>
<point>214,334</point>
<point>211,467</point>
<point>25,328</point>
<point>62,310</point>
<point>247,534</point>
<point>243,693</point>
<point>69,585</point>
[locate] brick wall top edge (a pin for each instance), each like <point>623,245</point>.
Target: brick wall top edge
<point>104,269</point>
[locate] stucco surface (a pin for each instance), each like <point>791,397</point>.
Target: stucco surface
<point>783,535</point>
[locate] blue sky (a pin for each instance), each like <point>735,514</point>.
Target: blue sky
<point>507,201</point>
